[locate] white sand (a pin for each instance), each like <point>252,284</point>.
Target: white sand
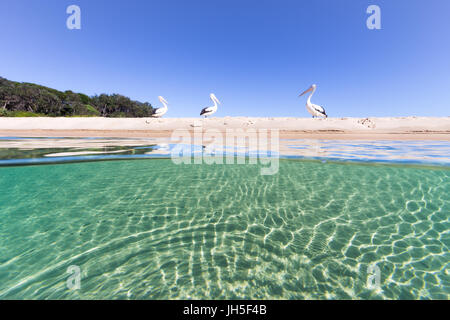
<point>342,128</point>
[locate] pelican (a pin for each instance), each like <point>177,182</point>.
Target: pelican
<point>314,109</point>
<point>158,113</point>
<point>210,110</point>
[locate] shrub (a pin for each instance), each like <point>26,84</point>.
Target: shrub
<point>29,99</point>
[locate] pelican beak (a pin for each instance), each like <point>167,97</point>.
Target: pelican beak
<point>214,98</point>
<point>305,92</point>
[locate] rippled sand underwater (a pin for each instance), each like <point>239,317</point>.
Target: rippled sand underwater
<point>150,229</point>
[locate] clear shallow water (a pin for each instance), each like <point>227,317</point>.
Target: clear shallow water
<point>418,152</point>
<point>150,229</point>
<point>24,151</point>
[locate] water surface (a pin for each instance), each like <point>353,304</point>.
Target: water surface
<point>150,229</point>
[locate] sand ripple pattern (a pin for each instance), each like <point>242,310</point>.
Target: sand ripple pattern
<point>149,229</point>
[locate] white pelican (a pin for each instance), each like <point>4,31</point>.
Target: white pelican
<point>314,109</point>
<point>210,110</point>
<point>158,113</point>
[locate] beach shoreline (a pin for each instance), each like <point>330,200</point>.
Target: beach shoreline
<point>401,128</point>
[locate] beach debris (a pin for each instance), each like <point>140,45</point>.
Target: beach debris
<point>367,123</point>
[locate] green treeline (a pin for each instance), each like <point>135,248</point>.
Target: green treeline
<point>27,99</point>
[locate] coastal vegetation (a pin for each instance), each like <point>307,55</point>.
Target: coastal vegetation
<point>21,99</point>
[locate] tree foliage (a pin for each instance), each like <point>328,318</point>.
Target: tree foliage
<point>28,98</point>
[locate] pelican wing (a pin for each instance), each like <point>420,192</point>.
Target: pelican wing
<point>158,111</point>
<point>205,110</point>
<point>319,109</point>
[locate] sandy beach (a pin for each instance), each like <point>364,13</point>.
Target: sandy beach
<point>402,128</point>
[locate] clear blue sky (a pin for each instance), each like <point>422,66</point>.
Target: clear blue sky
<point>256,56</point>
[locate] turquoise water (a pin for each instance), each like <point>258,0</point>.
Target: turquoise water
<point>150,229</point>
